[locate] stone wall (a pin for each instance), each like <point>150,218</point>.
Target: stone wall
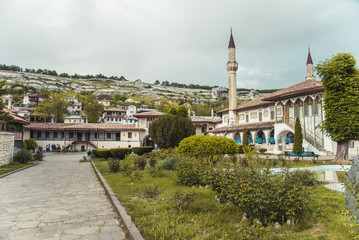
<point>6,147</point>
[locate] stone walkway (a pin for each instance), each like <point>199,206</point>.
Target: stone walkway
<point>58,199</point>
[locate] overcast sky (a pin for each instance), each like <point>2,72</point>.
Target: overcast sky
<point>181,41</point>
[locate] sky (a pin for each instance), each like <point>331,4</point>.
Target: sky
<point>182,41</point>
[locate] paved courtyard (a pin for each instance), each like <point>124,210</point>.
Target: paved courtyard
<point>58,199</point>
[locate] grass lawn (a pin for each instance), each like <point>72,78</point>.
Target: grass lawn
<point>205,218</point>
<point>12,167</point>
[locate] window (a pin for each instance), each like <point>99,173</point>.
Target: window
<point>47,135</point>
<point>306,110</point>
<point>315,109</point>
<point>260,116</point>
<point>351,144</point>
<point>247,118</point>
<point>55,134</point>
<point>279,111</point>
<point>108,135</point>
<point>130,135</point>
<point>296,112</point>
<point>38,134</point>
<point>71,134</point>
<point>272,115</point>
<point>96,135</point>
<point>62,135</point>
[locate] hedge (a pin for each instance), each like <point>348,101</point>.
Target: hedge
<point>142,150</point>
<point>120,153</point>
<point>102,153</point>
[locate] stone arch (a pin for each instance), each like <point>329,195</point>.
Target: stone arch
<point>260,137</point>
<point>237,137</point>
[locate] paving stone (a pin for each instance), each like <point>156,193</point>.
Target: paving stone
<point>58,199</point>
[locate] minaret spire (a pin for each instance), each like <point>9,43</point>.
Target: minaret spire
<point>232,67</point>
<point>310,75</point>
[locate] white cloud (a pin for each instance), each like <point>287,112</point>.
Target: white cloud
<point>178,41</point>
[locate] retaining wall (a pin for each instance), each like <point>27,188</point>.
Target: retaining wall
<point>6,147</point>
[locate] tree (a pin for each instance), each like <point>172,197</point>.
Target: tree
<point>55,105</point>
<point>92,108</point>
<point>4,116</point>
<point>157,82</point>
<point>30,144</point>
<point>245,138</point>
<point>298,136</point>
<point>168,130</point>
<point>340,79</point>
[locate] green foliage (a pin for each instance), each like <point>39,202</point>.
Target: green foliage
<point>140,162</point>
<point>245,138</point>
<point>94,152</point>
<point>182,201</point>
<point>168,130</point>
<point>114,165</point>
<point>92,107</point>
<point>208,148</point>
<point>169,163</point>
<point>181,111</point>
<point>120,153</point>
<point>201,110</point>
<point>298,136</point>
<point>55,105</point>
<point>102,153</point>
<point>152,161</point>
<point>30,144</point>
<point>340,79</point>
<point>262,150</point>
<point>22,156</point>
<point>191,172</point>
<point>262,195</point>
<point>142,150</point>
<point>136,176</point>
<point>151,191</point>
<point>39,156</point>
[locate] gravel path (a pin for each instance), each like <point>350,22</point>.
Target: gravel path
<point>58,199</point>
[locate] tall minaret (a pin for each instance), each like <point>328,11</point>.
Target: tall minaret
<point>232,67</point>
<point>310,75</point>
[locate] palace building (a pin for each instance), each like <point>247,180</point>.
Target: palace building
<point>269,120</point>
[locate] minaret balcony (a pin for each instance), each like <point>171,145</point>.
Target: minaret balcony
<point>232,66</point>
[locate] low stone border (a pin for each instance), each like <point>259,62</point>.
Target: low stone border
<point>18,170</point>
<point>132,231</point>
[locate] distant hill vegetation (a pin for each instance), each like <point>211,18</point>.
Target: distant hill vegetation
<point>122,78</point>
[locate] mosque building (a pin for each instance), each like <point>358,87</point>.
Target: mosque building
<point>269,120</point>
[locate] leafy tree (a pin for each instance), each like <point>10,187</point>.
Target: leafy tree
<point>340,78</point>
<point>4,116</point>
<point>168,130</point>
<point>298,136</point>
<point>92,107</point>
<point>245,138</point>
<point>30,144</point>
<point>54,105</point>
<point>157,82</point>
<point>209,148</point>
<point>180,111</point>
<point>201,110</point>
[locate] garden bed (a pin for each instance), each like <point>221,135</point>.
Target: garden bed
<point>13,167</point>
<point>159,217</point>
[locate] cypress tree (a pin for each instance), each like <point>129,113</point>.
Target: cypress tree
<point>245,138</point>
<point>298,136</point>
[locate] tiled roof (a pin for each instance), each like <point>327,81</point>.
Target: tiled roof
<point>148,114</point>
<point>113,109</point>
<point>306,87</point>
<point>83,126</point>
<point>247,126</point>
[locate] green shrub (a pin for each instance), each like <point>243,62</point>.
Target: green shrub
<point>142,150</point>
<point>240,149</point>
<point>262,150</point>
<point>306,177</point>
<point>136,176</point>
<point>187,172</point>
<point>29,144</point>
<point>156,172</point>
<point>114,165</point>
<point>103,153</point>
<point>182,201</point>
<point>120,153</point>
<point>39,156</point>
<point>169,163</point>
<point>151,191</point>
<point>152,161</point>
<point>208,148</point>
<point>127,165</point>
<point>140,162</point>
<point>94,152</point>
<point>22,156</point>
<point>263,195</point>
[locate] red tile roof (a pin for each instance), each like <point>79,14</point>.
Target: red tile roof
<point>83,126</point>
<point>247,126</point>
<point>148,114</point>
<point>113,109</point>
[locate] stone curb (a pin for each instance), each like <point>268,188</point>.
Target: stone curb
<point>18,170</point>
<point>132,231</point>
